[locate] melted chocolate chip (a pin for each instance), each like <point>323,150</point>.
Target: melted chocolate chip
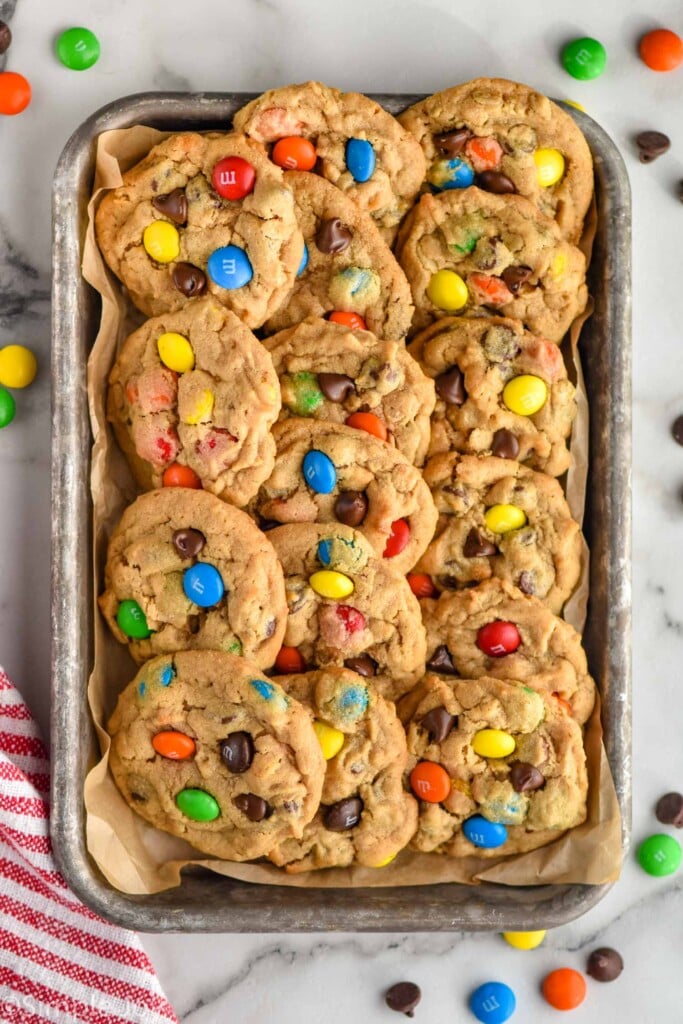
<point>441,661</point>
<point>333,236</point>
<point>237,751</point>
<point>188,543</point>
<point>439,724</point>
<point>403,997</point>
<point>669,809</point>
<point>363,664</point>
<point>255,807</point>
<point>526,583</point>
<point>344,815</point>
<point>188,279</point>
<point>515,277</point>
<point>478,546</point>
<point>496,182</point>
<point>651,145</point>
<point>524,777</point>
<point>335,386</point>
<point>351,508</point>
<point>505,445</point>
<point>452,143</point>
<point>173,205</point>
<point>604,964</point>
<point>450,386</point>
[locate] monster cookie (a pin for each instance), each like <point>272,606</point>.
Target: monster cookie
<point>498,518</point>
<point>505,138</point>
<point>365,816</point>
<point>348,607</point>
<point>494,629</point>
<point>196,389</point>
<point>328,473</point>
<point>497,769</point>
<point>348,138</point>
<point>342,374</point>
<point>471,251</point>
<point>348,270</point>
<point>205,748</point>
<point>202,213</point>
<point>499,390</point>
<point>186,570</point>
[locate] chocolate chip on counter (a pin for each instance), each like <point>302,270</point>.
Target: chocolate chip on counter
<point>669,809</point>
<point>403,997</point>
<point>452,143</point>
<point>188,543</point>
<point>255,807</point>
<point>651,145</point>
<point>451,386</point>
<point>680,190</point>
<point>351,508</point>
<point>604,964</point>
<point>677,427</point>
<point>496,182</point>
<point>173,205</point>
<point>335,386</point>
<point>344,815</point>
<point>505,445</point>
<point>5,37</point>
<point>441,661</point>
<point>237,752</point>
<point>363,664</point>
<point>524,778</point>
<point>478,546</point>
<point>333,236</point>
<point>515,277</point>
<point>188,279</point>
<point>439,724</point>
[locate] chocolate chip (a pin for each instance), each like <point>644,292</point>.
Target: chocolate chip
<point>604,964</point>
<point>526,583</point>
<point>494,181</point>
<point>188,279</point>
<point>505,445</point>
<point>680,190</point>
<point>188,543</point>
<point>515,277</point>
<point>173,205</point>
<point>335,386</point>
<point>237,751</point>
<point>651,145</point>
<point>403,997</point>
<point>363,664</point>
<point>448,582</point>
<point>669,809</point>
<point>439,723</point>
<point>345,814</point>
<point>524,777</point>
<point>478,546</point>
<point>351,508</point>
<point>450,386</point>
<point>441,661</point>
<point>270,628</point>
<point>255,807</point>
<point>267,524</point>
<point>333,236</point>
<point>139,798</point>
<point>452,143</point>
<point>677,430</point>
<point>5,37</point>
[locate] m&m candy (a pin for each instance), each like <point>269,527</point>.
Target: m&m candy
<point>430,782</point>
<point>176,746</point>
<point>564,989</point>
<point>584,58</point>
<point>360,159</point>
<point>660,855</point>
<point>175,352</point>
<point>289,659</point>
<point>503,518</point>
<point>198,805</point>
<point>524,940</point>
<point>233,177</point>
<point>7,408</point>
<point>447,290</point>
<point>304,261</point>
<point>319,472</point>
<point>484,833</point>
<point>132,620</point>
<point>229,267</point>
<point>353,321</point>
<point>525,395</point>
<point>203,584</point>
<point>498,639</point>
<point>328,583</point>
<point>294,154</point>
<point>549,167</point>
<point>493,743</point>
<point>448,174</point>
<point>202,409</point>
<point>331,740</point>
<point>15,92</point>
<point>493,1002</point>
<point>421,584</point>
<point>18,366</point>
<point>368,422</point>
<point>661,49</point>
<point>161,241</point>
<point>180,476</point>
<point>398,539</point>
<point>78,48</point>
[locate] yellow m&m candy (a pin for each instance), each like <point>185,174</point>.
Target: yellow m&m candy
<point>331,740</point>
<point>387,860</point>
<point>447,290</point>
<point>331,584</point>
<point>524,940</point>
<point>503,518</point>
<point>493,743</point>
<point>161,241</point>
<point>18,366</point>
<point>175,352</point>
<point>577,106</point>
<point>549,166</point>
<point>525,395</point>
<point>202,410</point>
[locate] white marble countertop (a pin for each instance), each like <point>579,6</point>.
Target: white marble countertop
<point>404,47</point>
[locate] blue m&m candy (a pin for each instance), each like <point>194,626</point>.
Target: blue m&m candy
<point>482,832</point>
<point>493,1002</point>
<point>319,472</point>
<point>202,584</point>
<point>454,173</point>
<point>229,267</point>
<point>304,261</point>
<point>360,159</point>
<point>325,552</point>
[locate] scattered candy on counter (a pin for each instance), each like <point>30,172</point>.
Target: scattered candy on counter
<point>8,408</point>
<point>18,366</point>
<point>669,809</point>
<point>564,989</point>
<point>78,49</point>
<point>604,964</point>
<point>493,1002</point>
<point>659,855</point>
<point>677,425</point>
<point>524,940</point>
<point>15,92</point>
<point>584,58</point>
<point>651,145</point>
<point>403,997</point>
<point>5,37</point>
<point>577,106</point>
<point>661,49</point>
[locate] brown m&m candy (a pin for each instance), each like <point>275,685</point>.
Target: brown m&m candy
<point>669,809</point>
<point>351,508</point>
<point>403,997</point>
<point>5,37</point>
<point>344,815</point>
<point>651,145</point>
<point>255,807</point>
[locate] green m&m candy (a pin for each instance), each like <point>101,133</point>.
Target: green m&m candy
<point>7,408</point>
<point>660,855</point>
<point>132,621</point>
<point>78,49</point>
<point>584,58</point>
<point>197,805</point>
<point>301,393</point>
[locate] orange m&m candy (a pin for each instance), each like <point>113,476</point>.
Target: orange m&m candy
<point>564,703</point>
<point>180,476</point>
<point>174,745</point>
<point>288,660</point>
<point>421,584</point>
<point>352,320</point>
<point>491,291</point>
<point>564,989</point>
<point>15,92</point>
<point>294,154</point>
<point>368,422</point>
<point>430,782</point>
<point>484,153</point>
<point>661,50</point>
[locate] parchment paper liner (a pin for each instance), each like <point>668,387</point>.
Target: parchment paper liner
<point>137,858</point>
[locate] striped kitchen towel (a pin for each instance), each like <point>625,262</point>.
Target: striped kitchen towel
<point>58,960</point>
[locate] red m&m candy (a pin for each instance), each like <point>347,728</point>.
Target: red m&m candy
<point>233,177</point>
<point>421,584</point>
<point>498,639</point>
<point>289,659</point>
<point>398,539</point>
<point>294,154</point>
<point>352,619</point>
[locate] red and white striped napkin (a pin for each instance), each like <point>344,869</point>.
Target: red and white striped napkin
<point>59,961</point>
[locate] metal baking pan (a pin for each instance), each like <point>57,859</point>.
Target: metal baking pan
<point>209,902</point>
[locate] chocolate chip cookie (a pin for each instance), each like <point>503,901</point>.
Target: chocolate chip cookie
<point>196,389</point>
<point>205,748</point>
<point>499,390</point>
<point>498,518</point>
<point>354,142</point>
<point>329,473</point>
<point>507,139</point>
<point>348,270</point>
<point>330,371</point>
<point>471,251</point>
<point>202,213</point>
<point>348,607</point>
<point>498,770</point>
<point>365,816</point>
<point>495,630</point>
<point>186,570</point>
